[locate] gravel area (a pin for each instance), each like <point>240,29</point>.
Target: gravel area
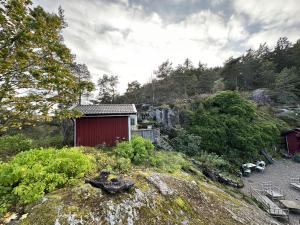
<point>279,173</point>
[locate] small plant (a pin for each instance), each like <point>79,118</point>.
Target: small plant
<point>31,174</point>
<point>138,150</point>
<point>11,145</point>
<point>170,161</point>
<point>213,161</point>
<point>123,164</point>
<point>49,141</point>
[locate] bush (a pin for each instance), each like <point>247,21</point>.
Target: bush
<point>11,145</point>
<point>31,174</point>
<point>49,141</point>
<point>170,161</point>
<point>138,150</point>
<point>213,161</point>
<point>189,144</point>
<point>231,126</point>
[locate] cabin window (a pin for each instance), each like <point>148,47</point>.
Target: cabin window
<point>132,121</point>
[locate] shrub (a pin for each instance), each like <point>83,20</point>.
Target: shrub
<point>231,126</point>
<point>138,150</point>
<point>189,144</point>
<point>108,161</point>
<point>123,164</point>
<point>125,150</point>
<point>170,161</point>
<point>213,161</point>
<point>49,141</point>
<point>11,145</point>
<point>31,174</point>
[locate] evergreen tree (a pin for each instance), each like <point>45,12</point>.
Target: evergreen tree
<point>107,86</point>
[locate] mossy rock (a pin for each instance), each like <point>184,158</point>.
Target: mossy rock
<point>194,202</point>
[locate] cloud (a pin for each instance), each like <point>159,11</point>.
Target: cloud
<point>130,38</point>
<point>272,19</point>
<point>270,14</point>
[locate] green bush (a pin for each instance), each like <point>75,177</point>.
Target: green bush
<point>231,126</point>
<point>213,161</point>
<point>170,161</point>
<point>31,174</point>
<point>189,144</point>
<point>123,164</point>
<point>138,150</point>
<point>54,141</point>
<point>11,145</point>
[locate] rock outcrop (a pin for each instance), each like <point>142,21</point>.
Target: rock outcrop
<point>157,198</point>
<point>261,96</point>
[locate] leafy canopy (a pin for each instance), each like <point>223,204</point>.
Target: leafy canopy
<point>231,126</point>
<point>34,65</point>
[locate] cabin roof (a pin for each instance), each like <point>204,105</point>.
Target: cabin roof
<point>107,109</point>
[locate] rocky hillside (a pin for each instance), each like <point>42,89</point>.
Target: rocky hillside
<point>157,198</point>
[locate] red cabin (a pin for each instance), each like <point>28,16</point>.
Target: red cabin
<point>104,124</point>
<point>292,139</point>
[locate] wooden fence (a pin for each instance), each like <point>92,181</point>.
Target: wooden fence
<point>152,134</point>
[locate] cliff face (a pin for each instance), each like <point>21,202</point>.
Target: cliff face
<point>157,198</point>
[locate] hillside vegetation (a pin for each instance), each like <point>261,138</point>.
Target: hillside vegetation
<point>276,69</point>
<point>170,190</point>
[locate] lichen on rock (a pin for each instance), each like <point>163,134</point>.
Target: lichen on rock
<point>158,198</point>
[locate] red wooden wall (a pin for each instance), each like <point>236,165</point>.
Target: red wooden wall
<point>293,142</point>
<point>92,131</point>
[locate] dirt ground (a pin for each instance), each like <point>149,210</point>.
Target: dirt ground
<point>279,173</point>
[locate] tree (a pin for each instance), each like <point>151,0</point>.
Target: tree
<point>83,75</point>
<point>281,54</point>
<point>231,73</point>
<point>107,88</point>
<point>132,94</point>
<point>164,70</point>
<point>34,65</point>
<point>133,86</point>
<point>286,86</point>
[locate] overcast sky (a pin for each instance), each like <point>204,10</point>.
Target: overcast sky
<point>130,38</point>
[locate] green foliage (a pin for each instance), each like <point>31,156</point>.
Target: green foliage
<point>49,141</point>
<point>31,174</point>
<point>170,161</point>
<point>107,86</point>
<point>189,144</point>
<point>231,126</point>
<point>11,145</point>
<point>213,161</point>
<point>173,83</point>
<point>123,164</point>
<point>138,150</point>
<point>275,69</point>
<point>35,61</point>
<point>286,89</point>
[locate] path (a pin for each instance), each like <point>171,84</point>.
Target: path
<point>279,173</point>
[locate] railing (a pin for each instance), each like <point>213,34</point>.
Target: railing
<point>295,180</point>
<point>273,209</point>
<point>152,134</point>
<point>269,188</point>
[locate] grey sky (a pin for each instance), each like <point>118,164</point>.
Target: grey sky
<point>130,38</point>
